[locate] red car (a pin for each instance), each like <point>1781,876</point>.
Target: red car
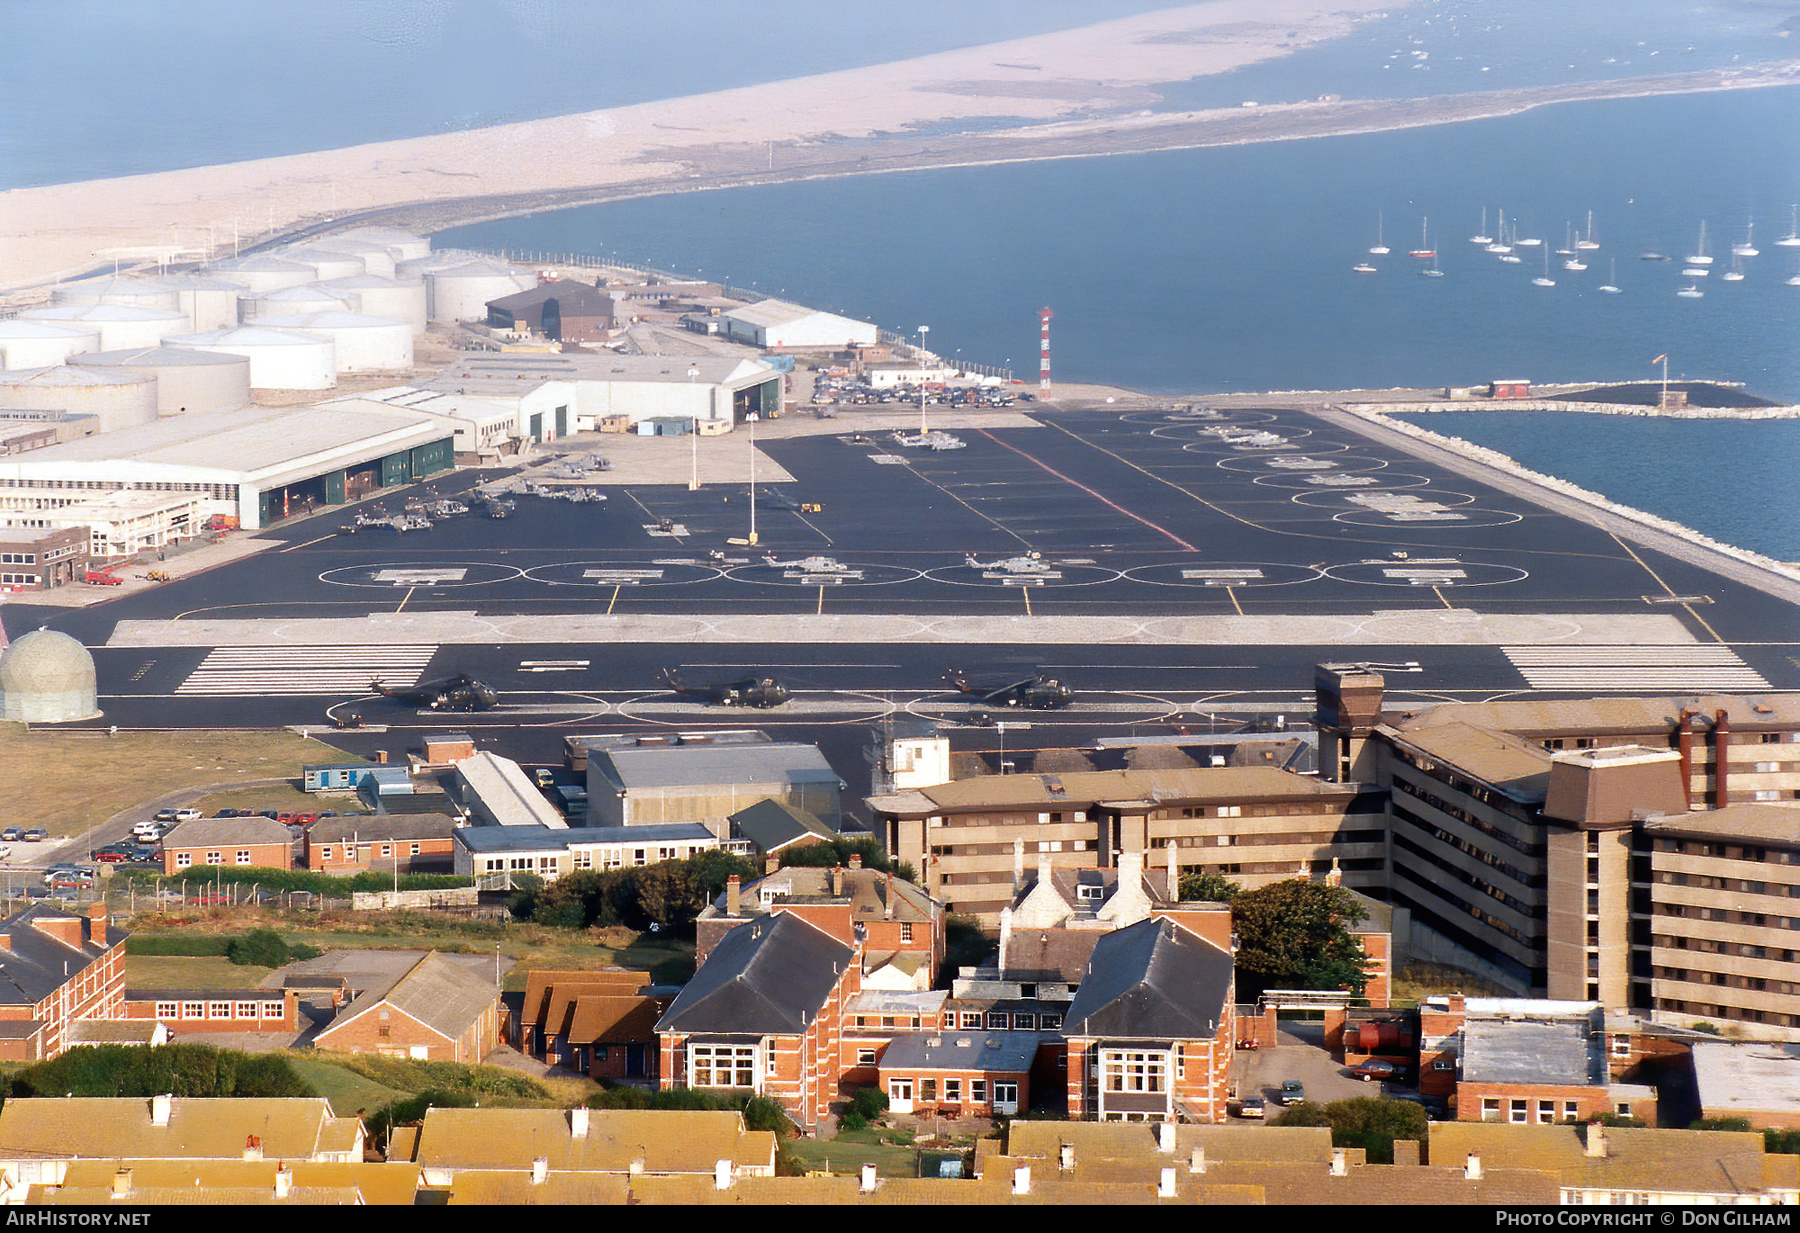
<point>111,856</point>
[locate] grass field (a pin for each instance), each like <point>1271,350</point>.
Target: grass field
<point>668,960</point>
<point>348,1092</point>
<point>852,1149</point>
<point>70,781</point>
<point>190,972</point>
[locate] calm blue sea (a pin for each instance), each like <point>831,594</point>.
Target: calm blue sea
<point>1185,272</point>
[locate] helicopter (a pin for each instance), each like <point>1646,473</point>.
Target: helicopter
<point>460,692</point>
<point>1035,692</point>
<point>759,692</point>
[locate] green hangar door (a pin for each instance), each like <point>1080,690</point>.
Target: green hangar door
<point>416,463</point>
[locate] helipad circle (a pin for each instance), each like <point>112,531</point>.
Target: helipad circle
<point>1351,463</point>
<point>1053,574</point>
<point>1425,572</point>
<point>1174,419</point>
<point>1216,575</point>
<point>1327,500</point>
<point>620,573</point>
<point>1378,481</point>
<point>387,575</point>
<point>1469,519</point>
<point>817,572</point>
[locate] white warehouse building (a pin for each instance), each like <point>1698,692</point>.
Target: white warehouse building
<point>772,324</point>
<point>560,394</point>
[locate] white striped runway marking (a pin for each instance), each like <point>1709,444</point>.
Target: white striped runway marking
<point>296,670</point>
<point>1635,668</point>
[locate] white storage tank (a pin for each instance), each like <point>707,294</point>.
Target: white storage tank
<point>375,258</point>
<point>326,261</point>
<point>364,343</point>
<point>400,245</point>
<point>279,359</point>
<point>120,325</point>
<point>115,399</point>
<point>115,289</point>
<point>382,297</point>
<point>186,380</point>
<point>262,272</point>
<point>38,344</point>
<point>462,292</point>
<point>208,303</point>
<point>253,306</point>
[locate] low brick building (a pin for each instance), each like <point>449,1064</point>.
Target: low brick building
<point>199,844</point>
<point>60,969</point>
<point>216,1010</point>
<point>417,843</point>
<point>437,1010</point>
<point>951,1074</point>
<point>37,560</point>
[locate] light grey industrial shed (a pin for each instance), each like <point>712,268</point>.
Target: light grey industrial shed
<point>708,783</point>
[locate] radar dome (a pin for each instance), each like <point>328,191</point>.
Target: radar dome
<point>47,678</point>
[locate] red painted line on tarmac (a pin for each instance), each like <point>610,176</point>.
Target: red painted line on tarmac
<point>1076,484</point>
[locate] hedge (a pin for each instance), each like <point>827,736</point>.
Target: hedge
<point>200,877</point>
<point>179,1069</point>
<point>176,944</point>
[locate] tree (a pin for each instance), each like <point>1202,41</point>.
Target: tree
<point>1296,935</point>
<point>1208,887</point>
<point>1365,1122</point>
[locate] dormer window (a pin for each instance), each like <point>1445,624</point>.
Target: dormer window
<point>1090,894</point>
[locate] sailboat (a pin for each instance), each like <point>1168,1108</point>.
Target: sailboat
<point>1609,287</point>
<point>1736,273</point>
<point>1574,261</point>
<point>1748,247</point>
<point>1690,292</point>
<point>1381,248</point>
<point>1362,267</point>
<point>1506,253</point>
<point>1794,278</point>
<point>1701,256</point>
<point>1568,248</point>
<point>1500,245</point>
<point>1792,238</point>
<point>1424,250</point>
<point>1432,271</point>
<point>1482,237</point>
<point>1544,280</point>
<point>1529,241</point>
<point>1588,243</point>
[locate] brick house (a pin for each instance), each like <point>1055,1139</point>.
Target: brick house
<point>216,1010</point>
<point>418,842</point>
<point>1539,1062</point>
<point>951,1074</point>
<point>765,1012</point>
<point>199,844</point>
<point>1150,1032</point>
<point>437,1010</point>
<point>544,1014</point>
<point>60,969</point>
<point>601,1022</point>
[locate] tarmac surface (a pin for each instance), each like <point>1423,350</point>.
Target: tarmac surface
<point>1173,568</point>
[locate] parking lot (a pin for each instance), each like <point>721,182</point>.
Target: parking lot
<point>1299,1054</point>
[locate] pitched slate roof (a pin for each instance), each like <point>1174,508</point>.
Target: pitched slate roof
<point>771,824</point>
<point>769,976</point>
<point>291,1128</point>
<point>200,832</point>
<point>604,1019</point>
<point>37,962</point>
<point>377,827</point>
<point>540,981</point>
<point>441,994</point>
<point>1153,980</point>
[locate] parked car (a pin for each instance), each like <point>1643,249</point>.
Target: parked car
<point>1436,1107</point>
<point>145,854</point>
<point>36,834</point>
<point>187,815</point>
<point>1374,1068</point>
<point>1252,1106</point>
<point>112,856</point>
<point>166,815</point>
<point>12,834</point>
<point>1292,1092</point>
<point>226,813</point>
<point>270,814</point>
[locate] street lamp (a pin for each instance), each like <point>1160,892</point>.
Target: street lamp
<point>752,417</point>
<point>923,330</point>
<point>1003,729</point>
<point>694,442</point>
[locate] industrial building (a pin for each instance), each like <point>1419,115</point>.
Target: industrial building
<point>38,560</point>
<point>549,852</point>
<point>560,394</point>
<point>706,783</point>
<point>561,308</point>
<point>253,466</point>
<point>777,324</point>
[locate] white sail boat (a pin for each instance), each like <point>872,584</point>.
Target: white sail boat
<point>1736,273</point>
<point>1748,247</point>
<point>1792,238</point>
<point>1381,248</point>
<point>1424,250</point>
<point>1610,287</point>
<point>1574,261</point>
<point>1690,292</point>
<point>1500,245</point>
<point>1700,256</point>
<point>1588,243</point>
<point>1794,278</point>
<point>1568,248</point>
<point>1482,237</point>
<point>1544,279</point>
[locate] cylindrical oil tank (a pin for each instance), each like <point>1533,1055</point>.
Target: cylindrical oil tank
<point>400,245</point>
<point>186,380</point>
<point>382,297</point>
<point>120,325</point>
<point>462,292</point>
<point>208,303</point>
<point>442,259</point>
<point>375,257</point>
<point>37,344</point>
<point>325,261</point>
<point>254,306</point>
<point>364,343</point>
<point>114,289</point>
<point>279,359</point>
<point>115,399</point>
<point>262,272</point>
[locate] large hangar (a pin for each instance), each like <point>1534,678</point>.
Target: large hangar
<point>256,465</point>
<point>772,324</point>
<point>590,389</point>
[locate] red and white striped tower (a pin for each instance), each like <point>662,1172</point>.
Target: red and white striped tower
<point>1044,315</point>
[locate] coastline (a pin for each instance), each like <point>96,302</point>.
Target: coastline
<point>1074,94</point>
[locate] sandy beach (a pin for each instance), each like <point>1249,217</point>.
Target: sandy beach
<point>60,230</point>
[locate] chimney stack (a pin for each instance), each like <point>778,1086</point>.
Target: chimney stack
<point>1197,1160</point>
<point>578,1122</point>
<point>734,895</point>
<point>1022,1180</point>
<point>1165,1186</point>
<point>1721,760</point>
<point>1005,939</point>
<point>1173,890</point>
<point>1340,1162</point>
<point>722,1175</point>
<point>867,1183</point>
<point>1472,1169</point>
<point>160,1108</point>
<point>1065,1157</point>
<point>1596,1141</point>
<point>121,1183</point>
<point>856,860</point>
<point>1018,865</point>
<point>284,1182</point>
<point>1165,1137</point>
<point>837,882</point>
<point>96,927</point>
<point>540,1170</point>
<point>252,1148</point>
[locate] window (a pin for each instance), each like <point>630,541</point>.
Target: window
<point>1571,1110</point>
<point>1621,1045</point>
<point>193,1010</point>
<point>1546,1112</point>
<point>865,1057</point>
<point>325,852</point>
<point>721,1065</point>
<point>167,1010</point>
<point>900,1090</point>
<point>387,850</point>
<point>215,858</point>
<point>978,1091</point>
<point>1006,1097</point>
<point>953,1091</point>
<point>247,1010</point>
<point>183,859</point>
<point>1520,1109</point>
<point>243,856</point>
<point>1490,1108</point>
<point>928,1089</point>
<point>971,1019</point>
<point>218,1010</point>
<point>272,1010</point>
<point>996,1021</point>
<point>906,931</point>
<point>1024,1023</point>
<point>1130,1071</point>
<point>415,852</point>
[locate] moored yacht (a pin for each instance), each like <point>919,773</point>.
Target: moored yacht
<point>1700,256</point>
